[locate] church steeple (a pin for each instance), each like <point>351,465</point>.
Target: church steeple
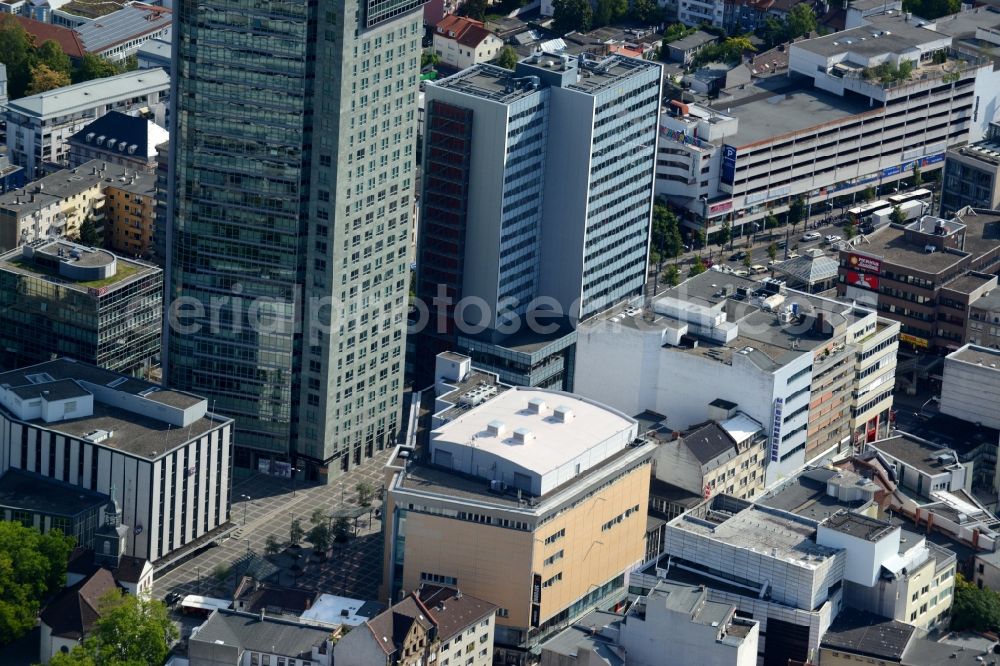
<point>112,511</point>
<point>109,538</point>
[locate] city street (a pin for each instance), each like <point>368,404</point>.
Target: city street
<point>354,569</point>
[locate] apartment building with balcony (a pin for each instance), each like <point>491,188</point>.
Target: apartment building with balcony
<point>39,126</point>
<point>814,371</point>
<point>53,206</point>
<point>530,499</point>
<point>62,299</point>
<point>833,127</point>
<point>130,213</point>
<point>537,193</point>
<point>926,274</point>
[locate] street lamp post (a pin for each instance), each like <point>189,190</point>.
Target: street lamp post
<point>294,471</point>
<point>246,500</point>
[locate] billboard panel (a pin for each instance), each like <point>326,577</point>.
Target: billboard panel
<point>860,262</point>
<point>728,173</point>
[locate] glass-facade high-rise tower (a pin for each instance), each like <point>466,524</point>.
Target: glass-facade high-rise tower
<point>289,212</point>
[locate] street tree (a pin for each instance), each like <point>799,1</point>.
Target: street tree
<point>849,231</point>
<point>671,276</point>
<point>131,630</point>
<point>32,566</point>
<point>319,537</point>
<point>770,221</point>
<point>897,216</point>
<point>918,176</point>
<point>365,491</point>
<point>318,517</point>
<point>701,238</point>
<point>796,212</point>
<point>747,261</point>
<point>570,15</point>
<point>507,57</point>
<point>697,268</point>
<point>271,545</point>
<point>772,251</point>
<point>867,194</point>
<point>725,234</point>
<point>341,530</point>
<point>295,532</point>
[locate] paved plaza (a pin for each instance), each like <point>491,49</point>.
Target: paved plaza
<point>353,570</point>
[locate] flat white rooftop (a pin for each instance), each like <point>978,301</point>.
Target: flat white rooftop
<point>536,430</point>
<point>741,427</point>
<point>90,94</point>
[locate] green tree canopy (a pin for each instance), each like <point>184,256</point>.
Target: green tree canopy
<point>671,276</point>
<point>897,216</point>
<point>43,78</point>
<point>18,56</point>
<point>609,12</point>
<point>868,194</point>
<point>974,608</point>
<point>88,233</point>
<point>932,9</point>
<point>570,15</point>
<point>507,57</point>
<point>731,51</point>
<point>51,55</point>
<point>474,9</point>
<point>32,566</point>
<point>130,631</point>
<point>93,67</point>
<point>295,532</point>
<point>319,537</point>
<point>697,268</point>
<point>725,234</point>
<point>772,251</point>
<point>801,21</point>
<point>645,11</point>
<point>666,240</point>
<point>797,211</point>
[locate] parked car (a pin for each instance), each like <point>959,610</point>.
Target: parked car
<point>741,273</point>
<point>811,236</point>
<point>737,256</point>
<point>833,238</point>
<point>758,268</point>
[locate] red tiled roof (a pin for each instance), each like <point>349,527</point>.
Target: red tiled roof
<point>465,31</point>
<point>73,612</point>
<point>43,32</point>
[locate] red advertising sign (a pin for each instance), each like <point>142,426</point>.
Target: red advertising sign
<point>862,280</point>
<point>723,207</point>
<point>860,262</point>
